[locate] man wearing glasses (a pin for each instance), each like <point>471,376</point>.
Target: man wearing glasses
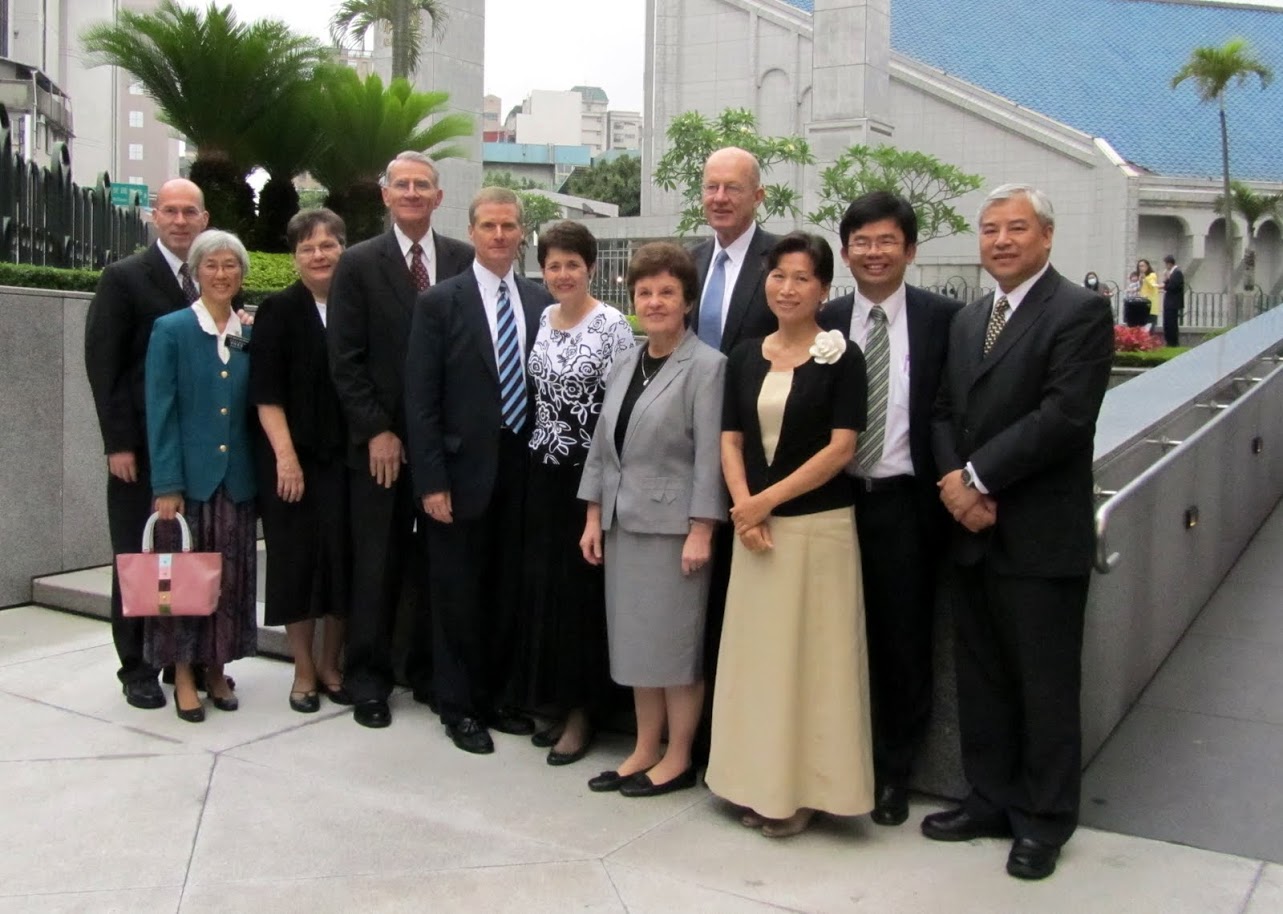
<point>903,332</point>
<point>371,301</point>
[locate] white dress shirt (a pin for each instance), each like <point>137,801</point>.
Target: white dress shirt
<point>427,242</point>
<point>489,286</point>
<point>736,251</point>
<point>321,309</point>
<point>176,263</point>
<point>896,458</point>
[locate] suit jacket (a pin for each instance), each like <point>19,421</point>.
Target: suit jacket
<point>1174,291</point>
<point>747,317</point>
<point>131,294</point>
<point>198,427</point>
<point>453,413</point>
<point>929,317</point>
<point>369,311</point>
<point>1025,417</point>
<point>290,368</point>
<point>670,469</point>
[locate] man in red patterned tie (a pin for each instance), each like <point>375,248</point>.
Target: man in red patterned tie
<point>371,300</point>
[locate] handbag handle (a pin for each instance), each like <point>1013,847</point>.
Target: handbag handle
<point>151,526</point>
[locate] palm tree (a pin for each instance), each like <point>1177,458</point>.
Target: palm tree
<point>363,126</point>
<point>403,18</point>
<point>284,146</point>
<point>1253,207</point>
<point>1213,69</point>
<point>213,79</point>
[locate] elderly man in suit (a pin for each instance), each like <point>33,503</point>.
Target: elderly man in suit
<point>903,332</point>
<point>468,417</point>
<point>1014,424</point>
<point>371,300</point>
<point>131,294</point>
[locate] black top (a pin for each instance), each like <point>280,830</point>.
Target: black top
<point>822,398</point>
<point>635,387</point>
<point>289,367</point>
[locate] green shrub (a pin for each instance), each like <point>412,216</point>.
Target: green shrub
<point>1148,359</point>
<point>268,273</point>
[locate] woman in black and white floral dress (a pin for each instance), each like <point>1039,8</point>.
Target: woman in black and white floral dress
<point>562,655</point>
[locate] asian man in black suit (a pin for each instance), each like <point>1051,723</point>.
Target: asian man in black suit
<point>904,334</point>
<point>131,294</point>
<point>371,301</point>
<point>468,417</point>
<point>1014,426</point>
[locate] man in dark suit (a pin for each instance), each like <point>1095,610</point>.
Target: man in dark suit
<point>1014,425</point>
<point>1173,301</point>
<point>903,332</point>
<point>468,417</point>
<point>131,294</point>
<point>371,301</point>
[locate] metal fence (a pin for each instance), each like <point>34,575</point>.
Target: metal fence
<point>47,220</point>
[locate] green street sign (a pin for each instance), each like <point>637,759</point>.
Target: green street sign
<point>123,194</point>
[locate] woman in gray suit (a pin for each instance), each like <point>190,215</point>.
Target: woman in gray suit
<point>653,484</point>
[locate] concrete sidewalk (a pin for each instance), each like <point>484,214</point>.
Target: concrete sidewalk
<point>107,808</point>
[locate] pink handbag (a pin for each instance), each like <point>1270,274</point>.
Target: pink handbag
<point>169,583</point>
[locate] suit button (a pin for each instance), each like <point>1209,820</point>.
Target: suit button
<point>222,449</point>
<point>222,374</point>
<point>223,411</point>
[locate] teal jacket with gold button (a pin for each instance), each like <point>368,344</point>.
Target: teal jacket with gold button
<point>198,425</point>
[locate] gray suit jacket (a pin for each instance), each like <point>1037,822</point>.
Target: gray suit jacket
<point>671,466</point>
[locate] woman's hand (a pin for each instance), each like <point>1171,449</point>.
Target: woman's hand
<point>169,506</point>
<point>751,511</point>
<point>757,539</point>
<point>698,548</point>
<point>289,478</point>
<point>590,542</point>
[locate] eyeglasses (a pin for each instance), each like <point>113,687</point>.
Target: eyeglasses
<point>325,247</point>
<point>867,245</point>
<point>173,212</point>
<point>731,190</point>
<point>403,185</point>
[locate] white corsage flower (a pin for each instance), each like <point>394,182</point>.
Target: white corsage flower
<point>828,346</point>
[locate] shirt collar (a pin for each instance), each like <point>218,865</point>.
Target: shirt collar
<point>893,305</point>
<point>428,242</point>
<point>738,248</point>
<point>175,262</point>
<point>489,282</point>
<point>1017,295</point>
<point>206,321</point>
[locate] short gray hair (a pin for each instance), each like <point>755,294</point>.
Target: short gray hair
<point>212,242</point>
<point>411,155</point>
<point>1037,199</point>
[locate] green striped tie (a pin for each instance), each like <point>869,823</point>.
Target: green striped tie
<point>877,359</point>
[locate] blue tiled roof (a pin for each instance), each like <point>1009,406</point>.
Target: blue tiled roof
<point>1105,66</point>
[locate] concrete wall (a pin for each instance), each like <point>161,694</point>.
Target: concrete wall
<point>53,478</point>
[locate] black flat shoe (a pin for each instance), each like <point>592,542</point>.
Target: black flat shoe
<point>960,825</point>
<point>607,781</point>
<point>1032,859</point>
<point>547,737</point>
<point>641,785</point>
<point>514,723</point>
<point>890,805</point>
<point>469,735</point>
<point>374,713</point>
<point>305,702</point>
<point>336,694</point>
<point>569,758</point>
<point>230,703</point>
<point>145,694</point>
<point>193,716</point>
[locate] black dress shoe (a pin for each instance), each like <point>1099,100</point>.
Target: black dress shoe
<point>1032,859</point>
<point>547,737</point>
<point>607,781</point>
<point>641,785</point>
<point>145,694</point>
<point>374,713</point>
<point>305,702</point>
<point>470,735</point>
<point>960,825</point>
<point>890,805</point>
<point>514,723</point>
<point>193,716</point>
<point>336,694</point>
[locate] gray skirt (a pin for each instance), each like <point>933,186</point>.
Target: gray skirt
<point>654,613</point>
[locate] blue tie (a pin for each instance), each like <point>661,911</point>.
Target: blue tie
<point>512,388</point>
<point>710,309</point>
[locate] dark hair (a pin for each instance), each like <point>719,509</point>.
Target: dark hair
<point>813,246</point>
<point>876,206</point>
<point>664,257</point>
<point>570,237</point>
<point>305,222</point>
<point>1148,268</point>
<point>1091,274</point>
<point>1169,259</point>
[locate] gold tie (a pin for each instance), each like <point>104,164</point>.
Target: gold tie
<point>997,320</point>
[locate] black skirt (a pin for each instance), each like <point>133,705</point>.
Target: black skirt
<point>562,657</point>
<point>308,554</point>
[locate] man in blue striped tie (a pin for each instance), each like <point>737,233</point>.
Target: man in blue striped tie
<point>468,422</point>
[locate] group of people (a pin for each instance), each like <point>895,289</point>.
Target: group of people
<point>744,518</point>
<point>1165,296</point>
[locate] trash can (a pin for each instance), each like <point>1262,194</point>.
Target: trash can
<point>1136,311</point>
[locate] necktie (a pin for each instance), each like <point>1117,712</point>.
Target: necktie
<point>710,308</point>
<point>190,292</point>
<point>512,388</point>
<point>419,268</point>
<point>877,357</point>
<point>997,320</point>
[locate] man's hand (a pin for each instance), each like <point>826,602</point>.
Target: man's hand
<point>123,465</point>
<point>438,507</point>
<point>245,317</point>
<point>958,499</point>
<point>984,513</point>
<point>386,456</point>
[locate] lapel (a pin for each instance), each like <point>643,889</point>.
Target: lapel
<point>746,285</point>
<point>919,333</point>
<point>624,367</point>
<point>397,273</point>
<point>472,311</point>
<point>668,373</point>
<point>1031,310</point>
<point>163,278</point>
<point>703,256</point>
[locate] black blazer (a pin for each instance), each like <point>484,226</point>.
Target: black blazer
<point>1174,291</point>
<point>289,367</point>
<point>371,302</point>
<point>453,414</point>
<point>929,317</point>
<point>748,316</point>
<point>131,294</point>
<point>1025,417</point>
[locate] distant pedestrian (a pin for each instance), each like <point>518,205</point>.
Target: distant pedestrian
<point>1173,301</point>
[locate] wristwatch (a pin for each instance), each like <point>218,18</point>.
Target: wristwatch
<point>967,479</point>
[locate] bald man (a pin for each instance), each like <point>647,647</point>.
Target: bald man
<point>131,294</point>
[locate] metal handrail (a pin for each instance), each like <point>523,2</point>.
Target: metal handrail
<point>1105,561</point>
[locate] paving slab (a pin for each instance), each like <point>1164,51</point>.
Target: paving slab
<point>1245,611</point>
<point>1227,677</point>
<point>33,633</point>
<point>1267,897</point>
<point>43,732</point>
<point>128,901</point>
